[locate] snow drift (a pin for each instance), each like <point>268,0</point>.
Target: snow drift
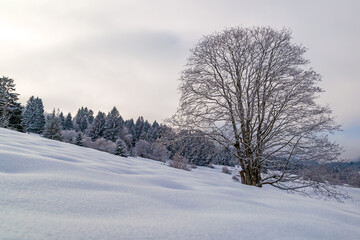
<point>54,190</point>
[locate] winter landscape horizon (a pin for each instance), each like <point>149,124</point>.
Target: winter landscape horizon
<point>232,119</point>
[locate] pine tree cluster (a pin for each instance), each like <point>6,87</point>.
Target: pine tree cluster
<point>107,132</point>
<point>10,109</point>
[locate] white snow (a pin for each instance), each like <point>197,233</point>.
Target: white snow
<point>54,190</point>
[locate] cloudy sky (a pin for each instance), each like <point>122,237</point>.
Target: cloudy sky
<point>129,53</point>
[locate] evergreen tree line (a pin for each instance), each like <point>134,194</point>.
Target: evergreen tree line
<point>111,133</point>
<point>108,131</point>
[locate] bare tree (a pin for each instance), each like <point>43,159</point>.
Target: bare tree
<point>250,90</point>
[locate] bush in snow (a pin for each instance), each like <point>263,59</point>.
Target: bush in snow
<point>100,144</point>
<point>104,145</point>
<point>180,162</point>
<point>142,149</point>
<point>235,178</point>
<point>68,136</point>
<point>226,170</point>
<point>159,152</point>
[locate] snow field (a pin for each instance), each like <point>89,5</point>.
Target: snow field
<point>54,190</point>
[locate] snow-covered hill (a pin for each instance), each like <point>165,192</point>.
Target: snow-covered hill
<point>54,190</point>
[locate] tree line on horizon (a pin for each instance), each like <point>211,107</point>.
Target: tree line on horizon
<point>109,132</point>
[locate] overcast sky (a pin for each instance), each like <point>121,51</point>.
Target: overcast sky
<point>129,53</point>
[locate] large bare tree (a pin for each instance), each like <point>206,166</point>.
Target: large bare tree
<point>251,90</point>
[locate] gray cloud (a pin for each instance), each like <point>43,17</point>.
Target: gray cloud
<point>130,53</point>
<point>125,69</point>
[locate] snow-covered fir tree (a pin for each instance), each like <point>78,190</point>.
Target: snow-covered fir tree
<point>130,135</point>
<point>90,116</point>
<point>139,125</point>
<point>8,99</point>
<point>113,125</point>
<point>68,124</point>
<point>62,120</point>
<point>154,132</point>
<point>79,138</point>
<point>145,131</point>
<point>121,148</point>
<point>52,128</point>
<point>16,117</point>
<point>97,127</point>
<point>83,119</point>
<point>33,116</point>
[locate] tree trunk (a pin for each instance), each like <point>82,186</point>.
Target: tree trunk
<point>251,177</point>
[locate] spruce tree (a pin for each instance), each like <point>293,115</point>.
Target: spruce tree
<point>84,124</point>
<point>113,125</point>
<point>139,125</point>
<point>121,149</point>
<point>52,129</point>
<point>78,140</point>
<point>16,118</point>
<point>97,127</point>
<point>154,132</point>
<point>8,99</point>
<point>33,116</point>
<point>145,131</point>
<point>131,140</point>
<point>40,117</point>
<point>62,120</point>
<point>90,116</point>
<point>68,124</point>
<point>80,120</point>
<point>29,113</point>
<point>83,119</point>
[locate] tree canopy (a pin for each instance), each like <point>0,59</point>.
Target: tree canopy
<point>251,90</point>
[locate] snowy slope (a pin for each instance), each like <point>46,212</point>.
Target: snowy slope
<point>54,190</point>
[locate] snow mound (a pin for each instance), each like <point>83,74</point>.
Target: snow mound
<point>54,190</point>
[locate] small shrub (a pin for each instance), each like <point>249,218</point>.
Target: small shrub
<point>235,178</point>
<point>100,144</point>
<point>86,141</point>
<point>142,149</point>
<point>226,170</point>
<point>104,145</point>
<point>68,136</point>
<point>180,162</point>
<point>159,152</point>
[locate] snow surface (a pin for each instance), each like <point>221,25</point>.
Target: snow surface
<point>54,190</point>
